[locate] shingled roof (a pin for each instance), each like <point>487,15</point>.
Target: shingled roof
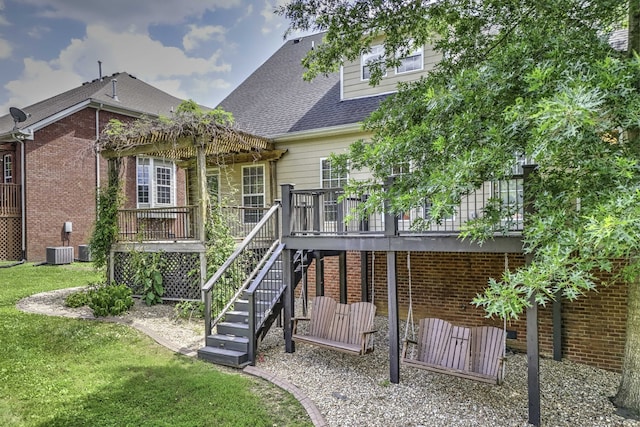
<point>275,100</point>
<point>134,97</point>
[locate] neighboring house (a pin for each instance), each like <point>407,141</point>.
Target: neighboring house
<point>311,120</point>
<point>49,162</point>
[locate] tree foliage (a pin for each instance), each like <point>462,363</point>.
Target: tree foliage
<point>537,77</point>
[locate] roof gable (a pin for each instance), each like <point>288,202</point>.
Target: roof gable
<point>275,100</point>
<point>134,97</point>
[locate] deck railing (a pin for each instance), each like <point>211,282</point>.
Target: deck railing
<point>241,220</point>
<point>9,200</point>
<point>232,278</point>
<point>329,212</point>
<point>157,224</point>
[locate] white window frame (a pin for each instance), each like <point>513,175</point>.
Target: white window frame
<point>249,216</point>
<point>7,168</point>
<point>417,52</point>
<point>153,165</point>
<point>376,54</point>
<point>330,213</point>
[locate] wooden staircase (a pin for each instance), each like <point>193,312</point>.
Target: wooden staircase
<point>229,344</point>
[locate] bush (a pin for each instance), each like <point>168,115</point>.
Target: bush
<point>77,299</point>
<point>110,300</point>
<point>189,310</point>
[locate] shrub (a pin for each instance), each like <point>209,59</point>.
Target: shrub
<point>77,299</point>
<point>189,310</point>
<point>110,300</point>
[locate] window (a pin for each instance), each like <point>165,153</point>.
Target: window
<point>8,169</point>
<point>213,188</point>
<point>376,55</point>
<point>155,182</point>
<point>412,62</point>
<point>330,178</point>
<point>253,192</point>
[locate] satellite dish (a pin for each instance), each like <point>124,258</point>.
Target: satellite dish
<point>18,115</point>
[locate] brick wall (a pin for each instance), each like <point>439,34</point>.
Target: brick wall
<point>61,181</point>
<point>443,284</point>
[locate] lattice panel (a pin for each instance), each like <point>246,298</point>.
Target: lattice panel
<point>180,276</point>
<point>10,242</point>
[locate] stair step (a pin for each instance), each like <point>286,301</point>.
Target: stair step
<point>243,305</point>
<point>221,356</point>
<point>236,316</point>
<point>229,328</point>
<point>227,342</point>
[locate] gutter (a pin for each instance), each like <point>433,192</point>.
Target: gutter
<point>351,128</point>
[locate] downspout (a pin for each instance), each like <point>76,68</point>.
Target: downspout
<point>97,155</point>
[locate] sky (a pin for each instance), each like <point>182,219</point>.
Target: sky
<point>192,49</point>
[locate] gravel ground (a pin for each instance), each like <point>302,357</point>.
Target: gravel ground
<point>355,390</point>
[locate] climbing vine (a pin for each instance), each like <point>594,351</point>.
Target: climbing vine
<point>105,231</point>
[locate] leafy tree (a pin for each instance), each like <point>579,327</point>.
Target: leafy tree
<point>517,76</point>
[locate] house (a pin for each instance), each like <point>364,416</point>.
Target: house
<point>310,120</point>
<point>50,170</point>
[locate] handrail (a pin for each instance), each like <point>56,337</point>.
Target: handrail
<point>248,280</point>
<point>255,323</point>
<point>208,287</point>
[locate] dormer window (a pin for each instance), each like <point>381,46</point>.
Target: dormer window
<point>376,55</point>
<point>412,62</point>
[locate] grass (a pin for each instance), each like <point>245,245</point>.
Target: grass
<point>68,372</point>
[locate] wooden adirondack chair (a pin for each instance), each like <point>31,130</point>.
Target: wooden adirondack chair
<point>342,327</point>
<point>473,353</point>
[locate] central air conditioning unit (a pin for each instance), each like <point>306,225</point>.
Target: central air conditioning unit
<point>60,255</point>
<point>84,253</point>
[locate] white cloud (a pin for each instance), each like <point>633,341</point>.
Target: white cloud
<point>197,35</point>
<point>5,49</point>
<point>38,32</point>
<point>168,68</point>
<point>3,20</point>
<point>272,22</point>
<point>138,13</point>
<point>38,81</point>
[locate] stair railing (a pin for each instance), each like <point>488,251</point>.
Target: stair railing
<point>270,281</point>
<point>232,278</point>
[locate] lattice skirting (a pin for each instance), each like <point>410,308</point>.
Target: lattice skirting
<point>180,276</point>
<point>10,240</point>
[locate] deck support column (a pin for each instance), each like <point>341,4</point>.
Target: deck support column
<point>557,327</point>
<point>533,351</point>
<point>289,300</point>
<point>394,324</point>
<point>364,276</point>
<point>319,274</point>
<point>342,261</point>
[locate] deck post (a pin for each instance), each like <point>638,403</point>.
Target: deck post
<point>364,276</point>
<point>285,190</point>
<point>394,324</point>
<point>289,299</point>
<point>557,327</point>
<point>533,355</point>
<point>390,220</point>
<point>319,274</point>
<point>342,261</point>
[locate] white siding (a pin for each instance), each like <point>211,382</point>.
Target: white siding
<point>355,87</point>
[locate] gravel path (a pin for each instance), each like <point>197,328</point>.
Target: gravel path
<point>355,390</point>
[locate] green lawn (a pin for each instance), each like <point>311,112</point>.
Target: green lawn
<point>67,372</point>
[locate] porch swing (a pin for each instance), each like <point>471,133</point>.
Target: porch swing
<point>475,353</point>
<point>347,328</point>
